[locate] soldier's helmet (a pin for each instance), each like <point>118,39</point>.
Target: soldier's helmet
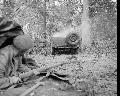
<point>23,42</point>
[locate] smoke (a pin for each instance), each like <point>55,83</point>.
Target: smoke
<point>85,28</point>
<point>64,32</point>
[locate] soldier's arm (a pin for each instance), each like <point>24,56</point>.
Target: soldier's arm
<point>4,81</point>
<point>23,68</point>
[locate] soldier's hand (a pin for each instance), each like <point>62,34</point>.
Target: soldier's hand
<point>14,80</point>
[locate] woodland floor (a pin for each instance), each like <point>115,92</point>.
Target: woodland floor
<point>88,75</point>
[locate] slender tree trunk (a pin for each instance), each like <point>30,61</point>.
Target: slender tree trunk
<point>44,29</point>
<point>85,26</point>
<point>1,7</point>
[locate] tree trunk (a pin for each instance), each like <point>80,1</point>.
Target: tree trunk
<point>44,29</point>
<point>85,26</point>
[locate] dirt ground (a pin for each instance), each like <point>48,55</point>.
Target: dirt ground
<point>86,75</point>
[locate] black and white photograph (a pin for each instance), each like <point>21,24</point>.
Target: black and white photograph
<point>58,47</point>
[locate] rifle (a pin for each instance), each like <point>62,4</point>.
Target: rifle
<point>30,73</point>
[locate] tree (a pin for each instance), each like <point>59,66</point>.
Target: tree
<point>103,10</point>
<point>85,26</point>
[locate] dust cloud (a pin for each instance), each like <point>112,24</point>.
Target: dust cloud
<point>85,28</point>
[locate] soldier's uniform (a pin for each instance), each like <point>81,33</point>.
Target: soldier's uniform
<point>10,58</point>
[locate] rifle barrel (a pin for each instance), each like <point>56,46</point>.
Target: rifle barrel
<point>30,73</point>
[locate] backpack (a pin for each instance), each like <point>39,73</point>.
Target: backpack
<point>8,30</point>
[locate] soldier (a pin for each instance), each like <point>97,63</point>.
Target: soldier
<point>11,57</point>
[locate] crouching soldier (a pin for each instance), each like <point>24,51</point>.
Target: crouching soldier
<point>11,63</point>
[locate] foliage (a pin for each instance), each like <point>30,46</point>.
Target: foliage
<point>91,76</point>
<point>62,13</point>
<point>104,33</point>
<point>98,6</point>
